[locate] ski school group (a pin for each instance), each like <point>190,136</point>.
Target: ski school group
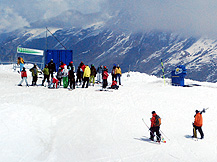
<point>85,75</point>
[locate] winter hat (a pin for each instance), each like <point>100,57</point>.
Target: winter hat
<point>153,112</point>
<point>24,68</point>
<point>71,62</point>
<point>51,59</point>
<point>104,67</point>
<point>197,111</point>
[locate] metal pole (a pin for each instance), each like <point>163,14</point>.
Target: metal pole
<point>46,40</point>
<point>56,38</point>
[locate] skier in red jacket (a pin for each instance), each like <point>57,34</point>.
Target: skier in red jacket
<point>105,77</point>
<point>24,77</point>
<point>155,127</point>
<point>54,83</point>
<point>114,85</point>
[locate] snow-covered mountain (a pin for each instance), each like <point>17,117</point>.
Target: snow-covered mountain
<point>87,125</point>
<point>99,39</point>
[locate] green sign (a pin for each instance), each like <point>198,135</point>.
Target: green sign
<point>30,51</point>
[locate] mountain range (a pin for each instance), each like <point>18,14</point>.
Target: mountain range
<point>106,40</point>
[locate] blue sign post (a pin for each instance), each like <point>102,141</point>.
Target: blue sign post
<point>178,75</point>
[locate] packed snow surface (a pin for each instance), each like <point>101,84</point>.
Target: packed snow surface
<point>86,125</point>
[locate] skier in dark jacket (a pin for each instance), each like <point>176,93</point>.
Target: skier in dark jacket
<point>59,75</point>
<point>113,73</point>
<point>51,67</point>
<point>79,75</point>
<point>155,127</point>
<point>35,72</point>
<point>92,74</point>
<point>82,70</point>
<point>71,76</point>
<point>99,74</point>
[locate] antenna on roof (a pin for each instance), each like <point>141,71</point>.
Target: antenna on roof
<point>55,38</point>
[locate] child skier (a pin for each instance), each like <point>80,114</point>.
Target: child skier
<point>114,85</point>
<point>54,82</point>
<point>24,77</point>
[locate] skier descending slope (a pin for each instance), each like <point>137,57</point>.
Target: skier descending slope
<point>155,126</point>
<point>198,123</point>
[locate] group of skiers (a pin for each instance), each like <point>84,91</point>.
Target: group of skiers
<point>156,122</point>
<point>66,74</point>
<point>87,75</point>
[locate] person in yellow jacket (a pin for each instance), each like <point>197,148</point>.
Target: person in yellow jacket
<point>86,76</point>
<point>20,62</point>
<point>118,74</point>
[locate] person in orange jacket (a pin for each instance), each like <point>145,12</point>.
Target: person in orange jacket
<point>155,127</point>
<point>198,123</point>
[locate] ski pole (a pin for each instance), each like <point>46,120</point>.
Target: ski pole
<point>150,130</point>
<point>164,135</point>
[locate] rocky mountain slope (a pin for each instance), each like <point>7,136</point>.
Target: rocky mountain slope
<point>102,41</point>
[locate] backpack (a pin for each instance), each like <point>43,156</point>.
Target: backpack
<point>157,120</point>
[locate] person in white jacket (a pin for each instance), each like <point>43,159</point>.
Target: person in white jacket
<point>65,77</point>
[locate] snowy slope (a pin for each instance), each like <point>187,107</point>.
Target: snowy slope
<point>85,125</point>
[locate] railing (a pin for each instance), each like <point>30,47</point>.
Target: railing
<point>40,64</point>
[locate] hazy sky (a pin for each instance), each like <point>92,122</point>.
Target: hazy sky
<point>197,17</point>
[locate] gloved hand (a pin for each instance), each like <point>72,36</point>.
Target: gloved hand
<point>204,110</point>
